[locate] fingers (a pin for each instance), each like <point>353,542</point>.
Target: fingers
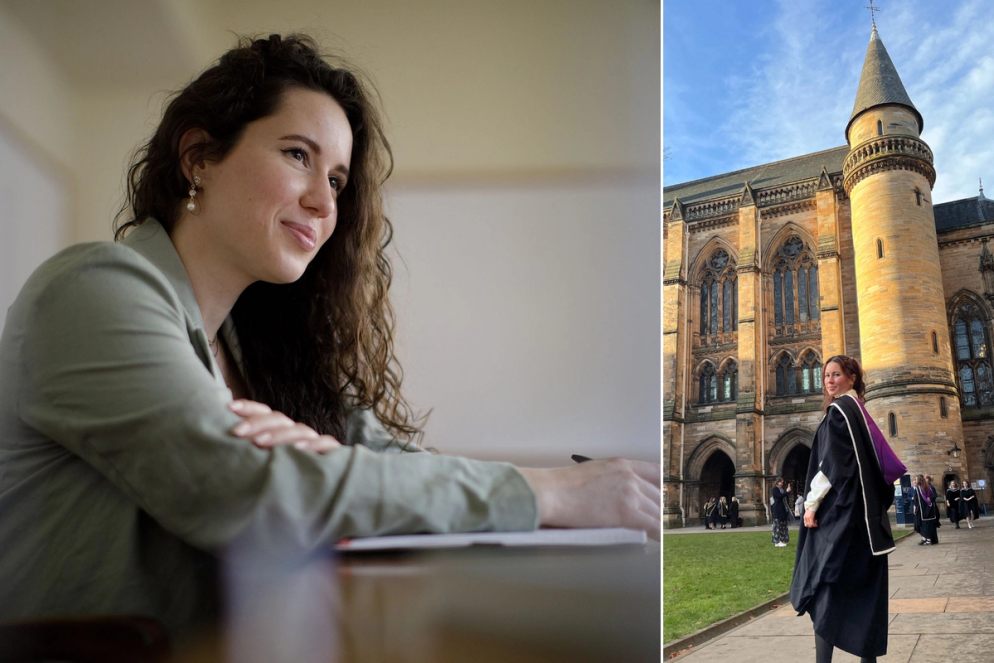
<point>245,408</point>
<point>648,471</point>
<point>267,428</point>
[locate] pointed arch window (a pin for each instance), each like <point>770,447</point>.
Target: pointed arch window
<point>809,373</point>
<point>719,297</point>
<point>795,288</point>
<point>729,382</point>
<point>973,356</point>
<point>708,385</point>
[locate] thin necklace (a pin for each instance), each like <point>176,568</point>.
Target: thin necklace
<point>215,348</point>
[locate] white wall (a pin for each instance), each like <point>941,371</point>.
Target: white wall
<point>36,127</point>
<point>528,317</point>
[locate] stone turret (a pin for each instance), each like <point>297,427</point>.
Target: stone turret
<point>904,337</point>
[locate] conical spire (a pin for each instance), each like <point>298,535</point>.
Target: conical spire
<point>879,84</point>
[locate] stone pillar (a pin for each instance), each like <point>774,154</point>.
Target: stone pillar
<point>748,411</point>
<point>674,361</point>
<point>833,340</point>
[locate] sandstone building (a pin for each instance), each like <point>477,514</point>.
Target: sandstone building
<point>771,270</point>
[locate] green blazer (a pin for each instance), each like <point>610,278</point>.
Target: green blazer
<point>120,487</point>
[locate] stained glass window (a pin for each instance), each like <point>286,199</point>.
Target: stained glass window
<point>813,304</point>
<point>714,387</point>
<point>802,294</point>
<point>786,376</point>
<point>703,396</point>
<point>969,389</point>
<point>704,308</point>
<point>985,387</point>
<point>726,305</point>
<point>777,299</point>
<point>816,381</point>
<point>962,341</point>
<point>727,387</point>
<point>806,379</point>
<point>714,308</point>
<point>788,297</point>
<point>977,332</point>
<point>781,383</point>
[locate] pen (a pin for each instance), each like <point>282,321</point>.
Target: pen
<point>580,459</point>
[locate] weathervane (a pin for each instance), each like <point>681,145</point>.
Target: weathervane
<point>873,16</point>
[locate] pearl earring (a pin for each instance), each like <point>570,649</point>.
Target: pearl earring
<point>193,193</point>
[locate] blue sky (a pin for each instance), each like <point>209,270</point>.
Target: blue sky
<point>746,83</point>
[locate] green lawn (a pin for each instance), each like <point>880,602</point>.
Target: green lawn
<point>709,577</point>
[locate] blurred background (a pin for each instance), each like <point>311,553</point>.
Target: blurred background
<point>525,196</point>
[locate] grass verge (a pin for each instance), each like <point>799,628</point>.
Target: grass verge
<point>709,577</point>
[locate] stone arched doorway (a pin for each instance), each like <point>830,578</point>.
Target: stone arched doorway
<point>709,470</point>
<point>788,458</point>
<point>795,467</point>
<point>718,477</point>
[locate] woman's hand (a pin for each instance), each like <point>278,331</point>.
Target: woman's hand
<point>267,428</point>
<point>809,519</point>
<point>599,493</point>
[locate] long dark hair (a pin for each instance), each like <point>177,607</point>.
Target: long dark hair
<point>316,348</point>
<point>853,370</point>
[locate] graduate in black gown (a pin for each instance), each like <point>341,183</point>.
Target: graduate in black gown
<point>733,512</point>
<point>926,512</point>
<point>723,512</point>
<point>840,573</point>
<point>710,513</point>
<point>968,507</point>
<point>781,512</point>
<point>952,503</point>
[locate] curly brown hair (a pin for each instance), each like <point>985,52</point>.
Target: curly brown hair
<point>323,345</point>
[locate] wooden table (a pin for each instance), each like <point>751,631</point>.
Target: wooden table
<point>479,605</point>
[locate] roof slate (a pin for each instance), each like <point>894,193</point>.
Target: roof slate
<point>804,167</point>
<point>958,213</point>
<point>880,83</point>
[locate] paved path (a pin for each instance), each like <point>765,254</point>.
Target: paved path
<point>941,608</point>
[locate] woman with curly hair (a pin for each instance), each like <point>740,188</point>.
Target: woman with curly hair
<point>840,572</point>
<point>224,373</point>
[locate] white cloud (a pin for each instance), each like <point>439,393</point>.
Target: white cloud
<point>796,98</point>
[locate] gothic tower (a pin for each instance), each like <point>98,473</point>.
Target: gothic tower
<point>904,338</point>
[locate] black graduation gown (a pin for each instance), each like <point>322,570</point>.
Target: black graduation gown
<point>952,511</point>
<point>840,573</point>
<point>733,513</point>
<point>723,513</point>
<point>779,507</point>
<point>928,515</point>
<point>709,514</point>
<point>968,503</point>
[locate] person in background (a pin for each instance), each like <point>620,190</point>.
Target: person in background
<point>840,572</point>
<point>968,507</point>
<point>733,512</point>
<point>781,510</point>
<point>952,503</point>
<point>914,508</point>
<point>799,504</point>
<point>723,512</point>
<point>710,511</point>
<point>928,512</point>
<point>935,500</point>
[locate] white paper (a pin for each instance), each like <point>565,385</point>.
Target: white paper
<point>608,536</point>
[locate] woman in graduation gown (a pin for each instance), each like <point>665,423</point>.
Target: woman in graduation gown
<point>733,512</point>
<point>952,504</point>
<point>723,512</point>
<point>927,512</point>
<point>781,508</point>
<point>709,513</point>
<point>840,573</point>
<point>968,507</point>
